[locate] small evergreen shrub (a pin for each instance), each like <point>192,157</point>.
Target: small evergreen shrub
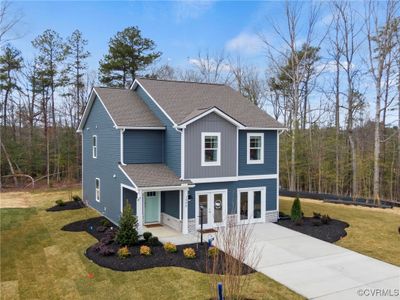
<point>76,198</point>
<point>153,241</point>
<point>189,253</point>
<point>213,251</point>
<point>105,223</point>
<point>123,252</point>
<point>325,219</point>
<point>145,250</point>
<point>296,213</point>
<point>147,235</point>
<point>60,202</point>
<point>315,222</point>
<point>104,250</point>
<point>170,247</point>
<point>316,215</point>
<point>127,234</point>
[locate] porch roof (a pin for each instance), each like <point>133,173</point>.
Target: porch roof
<point>153,175</point>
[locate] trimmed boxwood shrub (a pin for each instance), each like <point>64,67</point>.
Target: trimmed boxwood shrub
<point>153,241</point>
<point>76,198</point>
<point>127,234</point>
<point>147,235</point>
<point>296,213</point>
<point>60,202</point>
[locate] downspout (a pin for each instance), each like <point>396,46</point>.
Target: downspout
<point>122,130</point>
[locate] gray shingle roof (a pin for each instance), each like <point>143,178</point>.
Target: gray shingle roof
<point>181,99</point>
<point>153,175</point>
<point>126,108</point>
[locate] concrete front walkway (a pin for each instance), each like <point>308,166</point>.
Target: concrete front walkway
<point>311,267</point>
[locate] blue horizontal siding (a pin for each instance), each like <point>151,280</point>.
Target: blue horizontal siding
<point>170,203</point>
<point>143,146</point>
<point>172,145</point>
<point>232,187</point>
<point>105,166</point>
<point>270,154</point>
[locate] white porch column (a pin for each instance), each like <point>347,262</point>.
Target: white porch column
<point>185,223</point>
<point>139,210</point>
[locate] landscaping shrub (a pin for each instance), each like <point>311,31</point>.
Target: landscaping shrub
<point>76,198</point>
<point>325,219</point>
<point>213,251</point>
<point>107,240</point>
<point>296,213</point>
<point>189,253</point>
<point>170,247</point>
<point>145,250</point>
<point>101,228</point>
<point>123,252</point>
<point>127,234</point>
<point>147,235</point>
<point>153,241</point>
<point>105,223</point>
<point>60,202</point>
<point>299,222</point>
<point>316,215</point>
<point>106,250</point>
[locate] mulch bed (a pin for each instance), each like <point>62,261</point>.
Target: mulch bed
<point>331,232</point>
<point>159,258</point>
<point>70,205</point>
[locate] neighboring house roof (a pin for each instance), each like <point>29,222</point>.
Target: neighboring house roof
<point>182,100</point>
<point>152,175</point>
<point>125,108</point>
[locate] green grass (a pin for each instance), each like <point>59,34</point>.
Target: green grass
<point>373,232</point>
<point>38,260</point>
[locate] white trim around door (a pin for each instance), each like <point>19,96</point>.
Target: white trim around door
<point>216,212</point>
<point>251,205</point>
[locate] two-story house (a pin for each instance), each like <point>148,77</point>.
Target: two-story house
<point>170,147</point>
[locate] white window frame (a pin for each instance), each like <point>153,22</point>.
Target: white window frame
<point>97,190</point>
<point>205,163</point>
<point>94,148</point>
<point>250,204</point>
<point>249,136</point>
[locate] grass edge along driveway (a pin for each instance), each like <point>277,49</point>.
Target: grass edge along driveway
<point>40,261</point>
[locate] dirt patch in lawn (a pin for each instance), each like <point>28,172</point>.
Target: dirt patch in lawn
<point>70,205</point>
<point>331,232</point>
<point>159,257</point>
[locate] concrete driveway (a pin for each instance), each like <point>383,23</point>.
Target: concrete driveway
<point>321,270</point>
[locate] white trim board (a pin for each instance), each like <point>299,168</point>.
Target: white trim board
<point>217,111</point>
<point>122,170</point>
<point>88,108</point>
<point>140,128</point>
<point>233,178</point>
<point>122,200</point>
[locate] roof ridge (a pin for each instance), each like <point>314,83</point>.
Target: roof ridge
<point>111,87</point>
<point>183,81</point>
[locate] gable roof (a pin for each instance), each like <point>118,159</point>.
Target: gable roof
<point>125,108</point>
<point>182,100</point>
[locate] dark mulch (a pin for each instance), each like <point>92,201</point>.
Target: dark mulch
<point>93,226</point>
<point>331,232</point>
<point>67,206</point>
<point>159,257</point>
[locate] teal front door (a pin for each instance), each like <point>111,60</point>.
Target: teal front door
<point>152,207</point>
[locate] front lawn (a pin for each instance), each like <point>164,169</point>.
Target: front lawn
<point>38,260</point>
<point>372,231</point>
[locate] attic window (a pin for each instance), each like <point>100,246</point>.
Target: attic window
<point>210,148</point>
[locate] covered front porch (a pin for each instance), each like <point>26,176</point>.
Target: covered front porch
<point>157,196</point>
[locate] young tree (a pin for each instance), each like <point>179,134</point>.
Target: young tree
<point>10,66</point>
<point>128,54</point>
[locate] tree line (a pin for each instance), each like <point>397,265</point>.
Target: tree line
<point>322,83</point>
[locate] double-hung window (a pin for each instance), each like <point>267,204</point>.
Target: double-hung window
<point>255,148</point>
<point>97,187</point>
<point>94,146</point>
<point>210,148</point>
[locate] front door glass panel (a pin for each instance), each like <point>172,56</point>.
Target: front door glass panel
<point>218,208</point>
<point>203,202</point>
<point>244,207</point>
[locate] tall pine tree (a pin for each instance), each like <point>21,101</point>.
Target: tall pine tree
<point>128,54</point>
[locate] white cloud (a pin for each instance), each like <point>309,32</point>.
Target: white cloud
<point>247,43</point>
<point>191,9</point>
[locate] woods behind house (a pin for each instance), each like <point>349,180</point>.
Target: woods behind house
<point>334,84</point>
